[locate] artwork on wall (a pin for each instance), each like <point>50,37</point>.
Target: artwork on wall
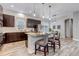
<point>54,27</point>
<point>58,26</point>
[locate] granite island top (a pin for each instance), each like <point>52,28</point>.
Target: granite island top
<point>37,33</point>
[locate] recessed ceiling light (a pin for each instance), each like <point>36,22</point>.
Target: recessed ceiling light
<point>11,5</point>
<point>20,14</point>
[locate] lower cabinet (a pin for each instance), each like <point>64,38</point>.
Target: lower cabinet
<point>14,37</point>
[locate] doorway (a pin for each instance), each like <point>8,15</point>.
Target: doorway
<point>69,28</point>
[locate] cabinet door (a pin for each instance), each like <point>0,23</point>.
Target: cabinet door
<point>8,20</point>
<point>10,37</point>
<point>14,37</point>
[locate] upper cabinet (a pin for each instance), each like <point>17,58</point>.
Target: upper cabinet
<point>8,20</point>
<point>32,22</point>
<point>1,16</point>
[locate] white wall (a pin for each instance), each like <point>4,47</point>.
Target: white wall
<point>59,21</point>
<point>46,23</point>
<point>76,25</point>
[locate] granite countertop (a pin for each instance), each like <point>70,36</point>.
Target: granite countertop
<point>11,32</point>
<point>36,33</point>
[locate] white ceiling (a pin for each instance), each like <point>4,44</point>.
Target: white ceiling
<point>28,8</point>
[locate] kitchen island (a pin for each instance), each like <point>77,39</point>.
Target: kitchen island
<point>33,37</point>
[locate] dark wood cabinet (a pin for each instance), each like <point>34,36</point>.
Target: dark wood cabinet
<point>8,20</point>
<point>13,37</point>
<point>32,22</point>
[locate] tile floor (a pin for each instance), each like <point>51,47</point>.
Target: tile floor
<point>69,47</point>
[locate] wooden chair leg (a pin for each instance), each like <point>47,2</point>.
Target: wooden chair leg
<point>59,44</point>
<point>35,49</point>
<point>45,51</point>
<point>39,48</point>
<point>51,44</point>
<point>54,47</point>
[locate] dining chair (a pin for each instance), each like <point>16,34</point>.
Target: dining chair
<point>51,42</point>
<point>41,44</point>
<point>57,38</point>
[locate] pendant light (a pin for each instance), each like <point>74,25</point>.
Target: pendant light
<point>49,12</point>
<point>43,10</point>
<point>34,12</point>
<point>49,17</point>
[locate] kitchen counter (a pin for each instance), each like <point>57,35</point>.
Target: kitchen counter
<point>12,32</point>
<point>13,36</point>
<point>37,33</point>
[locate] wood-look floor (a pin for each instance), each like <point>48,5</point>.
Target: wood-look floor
<point>69,47</point>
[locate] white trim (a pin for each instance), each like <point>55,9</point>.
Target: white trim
<point>75,39</point>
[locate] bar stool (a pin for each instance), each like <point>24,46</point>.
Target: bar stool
<point>57,39</point>
<point>51,41</point>
<point>41,43</point>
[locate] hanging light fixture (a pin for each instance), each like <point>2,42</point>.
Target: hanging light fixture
<point>43,11</point>
<point>34,14</point>
<point>34,10</point>
<point>49,12</point>
<point>49,17</point>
